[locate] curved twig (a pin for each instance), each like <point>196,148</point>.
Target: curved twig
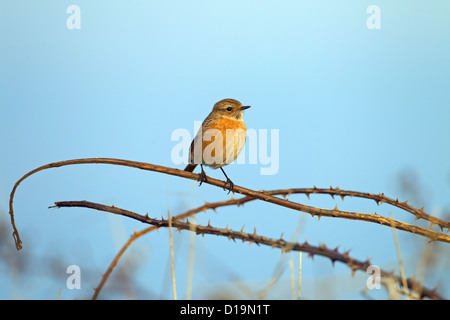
<point>261,195</point>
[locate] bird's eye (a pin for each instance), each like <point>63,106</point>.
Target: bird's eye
<point>229,108</point>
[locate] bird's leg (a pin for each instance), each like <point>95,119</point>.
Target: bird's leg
<point>228,182</point>
<point>202,176</point>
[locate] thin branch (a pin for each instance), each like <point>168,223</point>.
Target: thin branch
<point>333,255</point>
<point>138,234</point>
<point>378,198</point>
<point>261,195</point>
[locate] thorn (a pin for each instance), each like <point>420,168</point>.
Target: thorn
<point>336,208</point>
<point>419,215</point>
<point>228,227</point>
<point>307,194</point>
<point>342,197</point>
<point>381,200</point>
<point>242,229</point>
<point>209,223</point>
<point>281,237</point>
<point>254,233</point>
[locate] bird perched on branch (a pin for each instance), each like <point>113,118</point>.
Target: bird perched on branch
<point>220,139</point>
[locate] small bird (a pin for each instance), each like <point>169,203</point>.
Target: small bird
<point>220,139</point>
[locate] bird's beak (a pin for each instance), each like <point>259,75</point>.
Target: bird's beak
<point>244,107</point>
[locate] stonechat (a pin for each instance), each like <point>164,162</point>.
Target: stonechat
<point>220,139</point>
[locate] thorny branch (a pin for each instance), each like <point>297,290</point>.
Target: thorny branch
<point>261,195</point>
<point>378,198</point>
<point>269,196</point>
<point>333,254</point>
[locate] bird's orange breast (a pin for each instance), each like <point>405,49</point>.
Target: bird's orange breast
<point>223,124</point>
<point>233,135</point>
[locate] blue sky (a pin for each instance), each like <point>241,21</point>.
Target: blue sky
<point>354,107</point>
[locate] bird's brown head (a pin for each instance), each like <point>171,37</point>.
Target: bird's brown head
<point>229,108</point>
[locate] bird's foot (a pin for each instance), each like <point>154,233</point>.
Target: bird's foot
<point>231,185</point>
<point>202,177</point>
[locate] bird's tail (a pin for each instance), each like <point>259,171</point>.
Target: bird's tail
<point>190,167</point>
